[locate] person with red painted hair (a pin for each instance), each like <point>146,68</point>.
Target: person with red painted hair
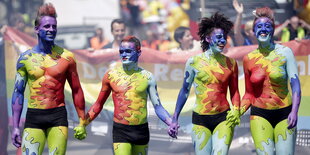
<point>267,70</point>
<point>45,68</point>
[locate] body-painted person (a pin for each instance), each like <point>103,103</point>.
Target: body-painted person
<point>130,86</point>
<point>45,68</point>
<point>212,74</point>
<point>267,71</point>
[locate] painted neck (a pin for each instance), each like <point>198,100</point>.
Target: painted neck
<point>133,66</point>
<point>266,45</point>
<point>45,46</point>
<point>212,54</point>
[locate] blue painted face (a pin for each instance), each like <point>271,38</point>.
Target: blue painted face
<point>216,40</point>
<point>47,29</point>
<point>263,29</point>
<point>128,53</point>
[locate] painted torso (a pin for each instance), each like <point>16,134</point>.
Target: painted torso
<point>46,76</point>
<point>129,92</point>
<point>211,82</point>
<point>268,76</point>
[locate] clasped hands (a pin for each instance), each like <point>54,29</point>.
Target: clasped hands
<point>80,132</point>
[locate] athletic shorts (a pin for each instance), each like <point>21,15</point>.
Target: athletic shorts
<point>209,121</point>
<point>46,118</point>
<point>134,134</point>
<point>272,116</point>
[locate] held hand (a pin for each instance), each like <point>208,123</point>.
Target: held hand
<point>173,129</point>
<point>238,7</point>
<point>80,132</point>
<point>16,139</point>
<point>233,118</point>
<point>292,120</point>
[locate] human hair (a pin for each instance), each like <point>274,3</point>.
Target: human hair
<point>263,12</point>
<point>119,21</point>
<point>134,40</point>
<point>179,33</point>
<point>207,25</point>
<point>46,9</point>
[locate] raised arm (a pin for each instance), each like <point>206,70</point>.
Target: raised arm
<point>248,97</point>
<point>237,25</point>
<point>18,100</point>
<point>304,24</point>
<point>182,97</point>
<point>233,116</point>
<point>292,72</point>
<point>159,109</point>
<point>279,29</point>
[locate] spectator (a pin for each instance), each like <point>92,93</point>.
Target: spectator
<point>17,22</point>
<point>118,28</point>
<point>98,41</point>
<point>149,41</point>
<point>162,43</point>
<point>248,38</point>
<point>293,28</point>
<point>183,37</point>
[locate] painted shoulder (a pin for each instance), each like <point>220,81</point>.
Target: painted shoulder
<point>284,50</point>
<point>195,57</point>
<point>147,74</point>
<point>63,52</point>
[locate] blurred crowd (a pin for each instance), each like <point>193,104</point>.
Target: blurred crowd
<point>166,26</point>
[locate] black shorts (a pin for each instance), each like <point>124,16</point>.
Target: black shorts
<point>46,118</point>
<point>134,134</point>
<point>272,116</point>
<point>209,121</point>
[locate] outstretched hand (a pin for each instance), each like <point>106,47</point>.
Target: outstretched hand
<point>16,139</point>
<point>238,7</point>
<point>233,118</point>
<point>173,129</point>
<point>80,132</point>
<point>292,120</point>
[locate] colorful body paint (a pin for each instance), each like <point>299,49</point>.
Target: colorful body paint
<point>130,86</point>
<point>211,73</point>
<point>45,68</point>
<point>267,71</point>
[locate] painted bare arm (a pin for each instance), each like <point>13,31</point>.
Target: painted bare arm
<point>159,109</point>
<point>77,92</point>
<point>18,100</point>
<point>182,97</point>
<point>95,109</point>
<point>78,98</point>
<point>292,72</point>
<point>248,98</point>
<point>233,116</point>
